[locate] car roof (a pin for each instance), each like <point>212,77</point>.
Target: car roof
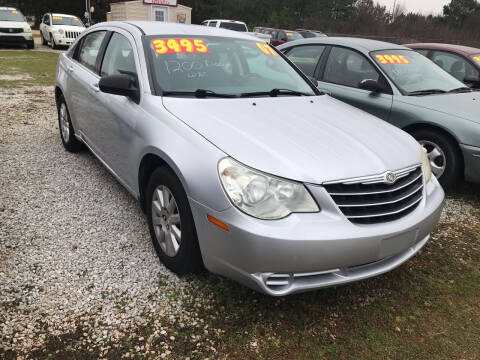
<point>366,45</point>
<point>464,50</point>
<point>64,15</point>
<point>232,21</point>
<point>163,28</point>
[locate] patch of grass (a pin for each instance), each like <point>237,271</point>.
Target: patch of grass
<point>27,68</point>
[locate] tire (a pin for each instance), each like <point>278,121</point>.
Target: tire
<point>67,133</point>
<point>450,158</point>
<point>52,42</point>
<point>186,258</point>
<point>44,42</point>
<point>31,45</point>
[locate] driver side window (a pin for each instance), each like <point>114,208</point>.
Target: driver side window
<point>347,67</point>
<point>119,58</point>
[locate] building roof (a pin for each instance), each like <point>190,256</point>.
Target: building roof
<point>357,43</point>
<point>464,50</point>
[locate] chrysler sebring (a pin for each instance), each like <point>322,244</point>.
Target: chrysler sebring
<point>240,163</point>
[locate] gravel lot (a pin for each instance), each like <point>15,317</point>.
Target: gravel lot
<point>77,267</point>
<point>74,245</point>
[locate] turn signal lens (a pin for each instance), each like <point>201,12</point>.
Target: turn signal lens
<point>217,222</point>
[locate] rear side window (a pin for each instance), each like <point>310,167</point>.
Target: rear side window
<point>212,24</point>
<point>306,57</point>
<point>234,26</point>
<point>118,57</point>
<point>89,49</point>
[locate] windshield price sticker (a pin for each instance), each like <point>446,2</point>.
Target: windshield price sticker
<point>177,46</point>
<point>392,59</point>
<point>14,12</point>
<point>477,58</point>
<point>266,49</point>
<point>57,18</point>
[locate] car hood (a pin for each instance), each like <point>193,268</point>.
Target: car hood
<point>463,105</point>
<point>13,24</point>
<point>68,27</point>
<point>309,139</point>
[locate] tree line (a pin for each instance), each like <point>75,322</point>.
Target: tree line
<point>459,22</point>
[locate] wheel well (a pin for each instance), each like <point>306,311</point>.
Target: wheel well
<point>148,164</point>
<point>409,129</point>
<point>58,93</point>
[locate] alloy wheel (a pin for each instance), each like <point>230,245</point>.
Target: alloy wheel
<point>64,122</point>
<point>166,221</point>
<point>436,155</point>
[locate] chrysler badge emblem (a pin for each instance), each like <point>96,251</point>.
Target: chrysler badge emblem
<point>10,30</point>
<point>390,178</point>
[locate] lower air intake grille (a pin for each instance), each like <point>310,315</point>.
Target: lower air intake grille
<point>371,201</point>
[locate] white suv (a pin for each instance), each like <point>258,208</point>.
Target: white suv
<point>227,24</point>
<point>60,29</point>
<point>14,28</point>
<point>235,26</point>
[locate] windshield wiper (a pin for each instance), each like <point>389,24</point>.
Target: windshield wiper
<point>199,93</point>
<point>275,93</point>
<point>426,92</point>
<point>463,89</point>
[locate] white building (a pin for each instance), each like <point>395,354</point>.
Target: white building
<point>155,10</point>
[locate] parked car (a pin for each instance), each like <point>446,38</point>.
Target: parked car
<point>60,29</point>
<point>404,88</point>
<point>227,24</point>
<point>239,162</point>
<point>280,37</point>
<point>14,28</point>
<point>460,61</point>
<point>310,33</point>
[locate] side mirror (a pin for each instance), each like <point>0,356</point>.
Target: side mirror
<point>123,85</point>
<point>473,81</point>
<point>313,80</point>
<point>370,85</point>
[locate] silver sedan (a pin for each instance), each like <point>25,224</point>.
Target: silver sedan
<point>241,165</point>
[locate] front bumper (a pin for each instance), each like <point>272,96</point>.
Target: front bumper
<point>308,251</point>
<point>471,156</point>
<point>16,38</point>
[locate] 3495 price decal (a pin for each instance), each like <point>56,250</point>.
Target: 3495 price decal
<point>189,46</point>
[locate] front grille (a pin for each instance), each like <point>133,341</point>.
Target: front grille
<point>11,30</point>
<point>372,201</point>
<point>72,34</point>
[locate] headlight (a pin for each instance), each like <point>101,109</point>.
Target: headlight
<point>27,29</point>
<point>427,170</point>
<point>263,196</point>
<point>61,31</point>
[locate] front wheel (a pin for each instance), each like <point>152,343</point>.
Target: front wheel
<point>52,42</point>
<point>67,133</point>
<point>171,224</point>
<point>44,41</point>
<point>444,155</point>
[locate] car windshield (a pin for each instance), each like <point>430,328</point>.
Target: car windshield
<point>413,73</point>
<point>293,35</point>
<point>66,20</point>
<point>476,59</point>
<point>234,26</point>
<point>11,15</point>
<point>229,66</point>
